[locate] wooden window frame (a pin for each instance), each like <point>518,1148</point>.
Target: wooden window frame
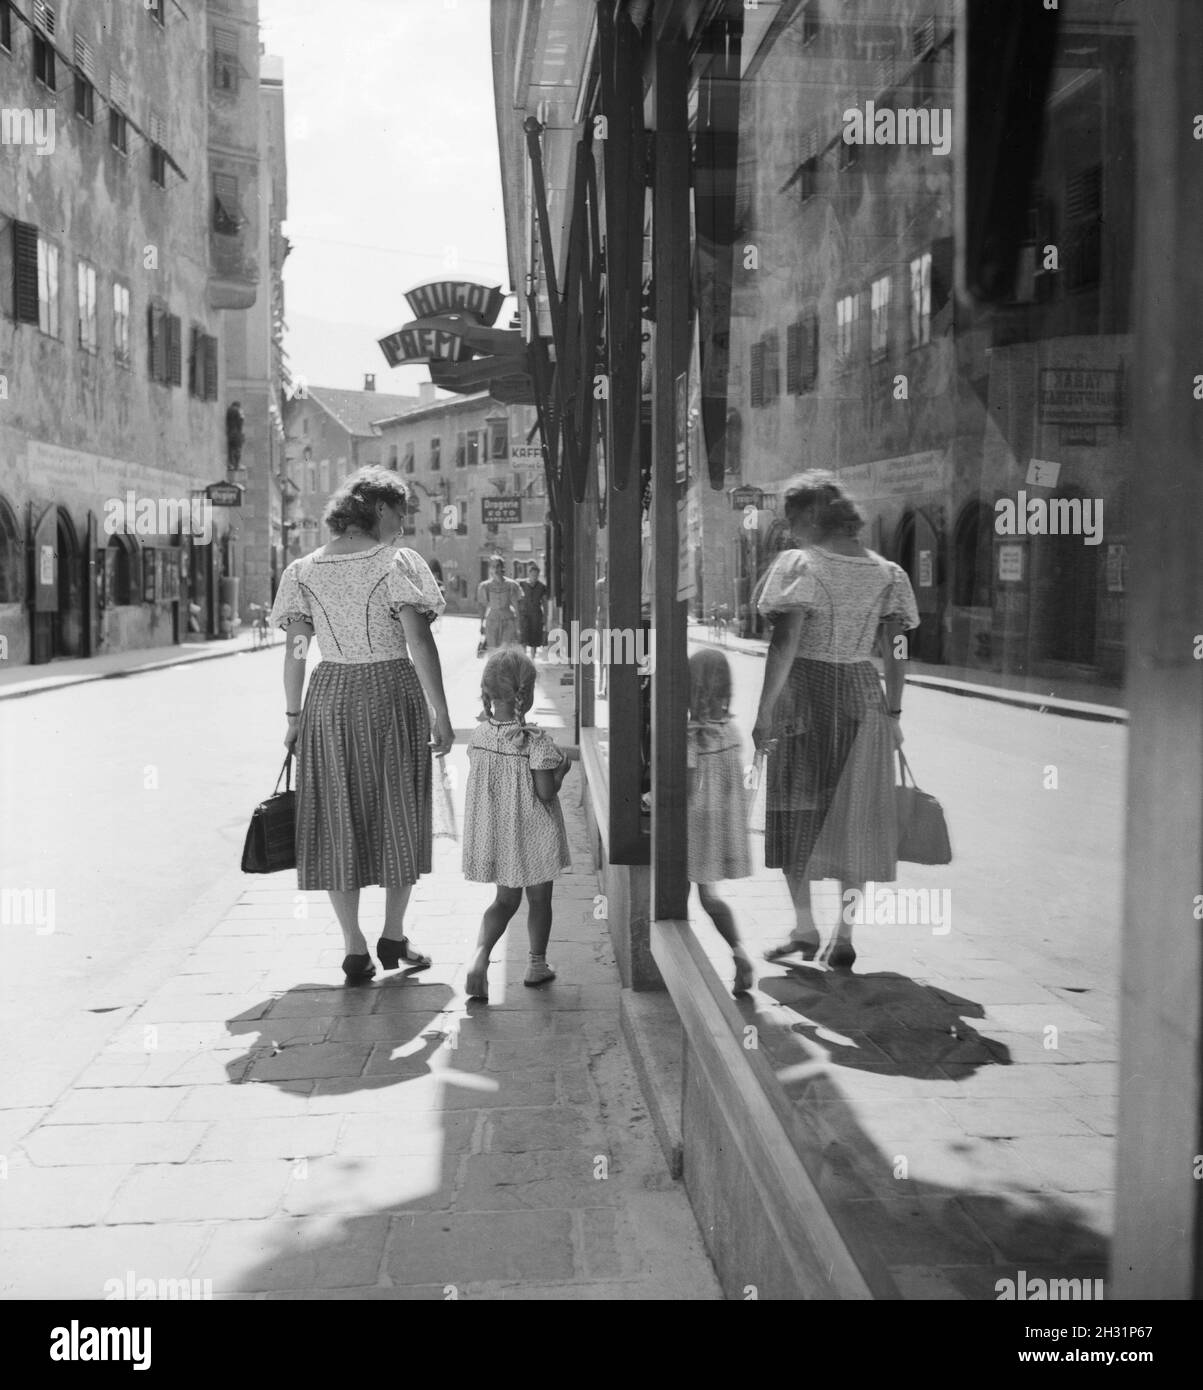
<point>85,301</point>
<point>122,316</point>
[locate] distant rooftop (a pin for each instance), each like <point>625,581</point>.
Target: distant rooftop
<point>356,410</point>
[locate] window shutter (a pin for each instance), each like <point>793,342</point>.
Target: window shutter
<point>118,91</point>
<point>943,270</point>
<point>152,338</point>
<point>772,366</point>
<point>85,58</point>
<point>809,364</point>
<point>43,16</point>
<point>25,273</point>
<point>175,351</point>
<point>210,368</point>
<point>195,363</point>
<point>757,375</point>
<point>923,38</point>
<point>793,358</point>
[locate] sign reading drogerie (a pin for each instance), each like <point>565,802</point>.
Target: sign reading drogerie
<point>501,511</point>
<point>1081,395</point>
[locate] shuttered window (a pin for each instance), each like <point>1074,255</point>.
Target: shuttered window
<point>210,356</point>
<point>158,343</point>
<point>225,60</point>
<point>757,374</point>
<point>121,323</point>
<point>25,273</point>
<point>808,363</point>
<point>772,365</point>
<point>175,351</point>
<point>226,219</point>
<point>85,80</point>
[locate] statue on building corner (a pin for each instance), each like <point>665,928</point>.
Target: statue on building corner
<point>234,436</point>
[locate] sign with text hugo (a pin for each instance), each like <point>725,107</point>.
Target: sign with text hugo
<point>501,511</point>
<point>456,296</point>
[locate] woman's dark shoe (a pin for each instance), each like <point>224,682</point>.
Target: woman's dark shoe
<point>807,949</point>
<point>395,953</point>
<point>840,955</point>
<point>358,969</point>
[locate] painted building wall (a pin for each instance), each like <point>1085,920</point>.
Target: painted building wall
<point>81,425</point>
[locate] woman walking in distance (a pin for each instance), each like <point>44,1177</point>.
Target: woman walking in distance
<point>829,735</point>
<point>533,613</point>
<point>362,738</point>
<point>500,599</point>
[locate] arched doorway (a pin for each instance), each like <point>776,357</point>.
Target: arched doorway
<point>918,549</point>
<point>972,599</point>
<point>67,627</point>
<point>1065,596</point>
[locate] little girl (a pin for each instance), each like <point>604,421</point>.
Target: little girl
<point>718,811</point>
<point>514,832</point>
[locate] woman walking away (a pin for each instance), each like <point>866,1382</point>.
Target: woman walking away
<point>499,599</point>
<point>829,733</point>
<point>514,832</point>
<point>362,739</point>
<point>533,614</point>
<point>717,804</point>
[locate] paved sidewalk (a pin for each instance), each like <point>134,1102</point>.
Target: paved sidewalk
<point>259,1125</point>
<point>1077,699</point>
<point>16,681</point>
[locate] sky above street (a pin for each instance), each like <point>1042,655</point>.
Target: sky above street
<point>393,174</point>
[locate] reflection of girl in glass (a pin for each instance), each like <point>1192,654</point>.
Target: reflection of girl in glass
<point>715,798</point>
<point>499,599</point>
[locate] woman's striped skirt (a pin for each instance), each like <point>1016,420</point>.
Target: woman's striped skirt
<point>363,777</point>
<point>830,809</point>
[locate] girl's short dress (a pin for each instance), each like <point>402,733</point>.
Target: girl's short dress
<point>718,804</point>
<point>510,837</point>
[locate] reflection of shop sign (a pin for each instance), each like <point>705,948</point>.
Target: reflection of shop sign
<point>742,497</point>
<point>523,545</point>
<point>896,477</point>
<point>501,511</point>
<point>1077,396</point>
<point>46,564</point>
<point>224,494</point>
<point>925,569</point>
<point>1117,569</point>
<point>1010,563</point>
<point>526,451</point>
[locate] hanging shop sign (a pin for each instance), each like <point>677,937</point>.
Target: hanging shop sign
<point>742,497</point>
<point>423,341</point>
<point>501,511</point>
<point>1081,396</point>
<point>224,494</point>
<point>456,296</point>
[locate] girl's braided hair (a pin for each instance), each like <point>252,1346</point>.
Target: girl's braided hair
<point>508,674</point>
<point>709,685</point>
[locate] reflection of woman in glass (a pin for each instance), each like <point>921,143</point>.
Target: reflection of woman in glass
<point>499,599</point>
<point>533,615</point>
<point>829,734</point>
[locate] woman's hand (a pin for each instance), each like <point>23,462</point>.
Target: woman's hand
<point>443,735</point>
<point>294,728</point>
<point>762,737</point>
<point>896,730</point>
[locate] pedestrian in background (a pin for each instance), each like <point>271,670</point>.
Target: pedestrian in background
<point>362,739</point>
<point>500,599</point>
<point>829,734</point>
<point>514,833</point>
<point>716,800</point>
<point>534,611</point>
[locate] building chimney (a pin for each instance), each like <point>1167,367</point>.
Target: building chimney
<point>426,392</point>
<point>369,381</point>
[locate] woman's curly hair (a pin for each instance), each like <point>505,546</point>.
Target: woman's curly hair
<point>508,674</point>
<point>835,513</point>
<point>355,502</point>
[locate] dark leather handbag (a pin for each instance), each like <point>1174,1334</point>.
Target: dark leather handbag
<point>271,838</point>
<point>922,829</point>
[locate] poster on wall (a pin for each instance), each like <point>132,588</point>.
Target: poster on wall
<point>150,560</point>
<point>1010,563</point>
<point>925,569</point>
<point>1117,569</point>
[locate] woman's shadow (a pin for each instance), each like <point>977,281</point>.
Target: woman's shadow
<point>885,1022</point>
